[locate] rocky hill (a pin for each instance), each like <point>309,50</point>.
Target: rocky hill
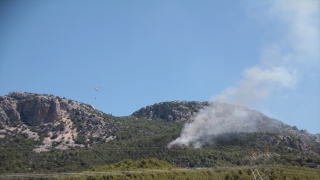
<point>186,111</point>
<point>55,121</point>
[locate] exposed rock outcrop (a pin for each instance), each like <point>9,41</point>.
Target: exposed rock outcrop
<point>8,110</point>
<point>30,108</point>
<point>180,111</point>
<point>58,120</point>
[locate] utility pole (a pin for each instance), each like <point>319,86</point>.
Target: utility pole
<point>254,162</point>
<point>255,173</point>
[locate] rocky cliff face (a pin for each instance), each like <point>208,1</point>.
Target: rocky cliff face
<point>36,109</point>
<point>32,109</point>
<point>53,120</point>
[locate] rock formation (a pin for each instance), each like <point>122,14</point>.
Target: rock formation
<point>55,119</point>
<point>179,111</point>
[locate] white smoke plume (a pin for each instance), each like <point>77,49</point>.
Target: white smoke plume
<point>285,62</point>
<point>282,65</point>
<point>215,119</point>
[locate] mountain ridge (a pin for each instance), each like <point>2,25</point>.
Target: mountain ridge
<point>61,123</point>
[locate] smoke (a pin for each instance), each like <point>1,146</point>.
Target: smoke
<point>282,65</point>
<point>210,121</point>
<point>286,61</point>
<point>258,83</point>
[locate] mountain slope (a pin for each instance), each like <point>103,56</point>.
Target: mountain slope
<point>72,136</point>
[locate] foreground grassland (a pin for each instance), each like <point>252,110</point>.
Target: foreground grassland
<point>154,169</point>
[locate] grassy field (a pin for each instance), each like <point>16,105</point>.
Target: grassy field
<point>157,170</point>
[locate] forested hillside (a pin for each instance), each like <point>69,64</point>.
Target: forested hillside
<point>147,139</point>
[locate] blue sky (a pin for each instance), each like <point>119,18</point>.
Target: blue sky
<point>263,54</point>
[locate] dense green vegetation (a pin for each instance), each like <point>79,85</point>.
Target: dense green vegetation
<point>140,139</point>
<point>128,164</point>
